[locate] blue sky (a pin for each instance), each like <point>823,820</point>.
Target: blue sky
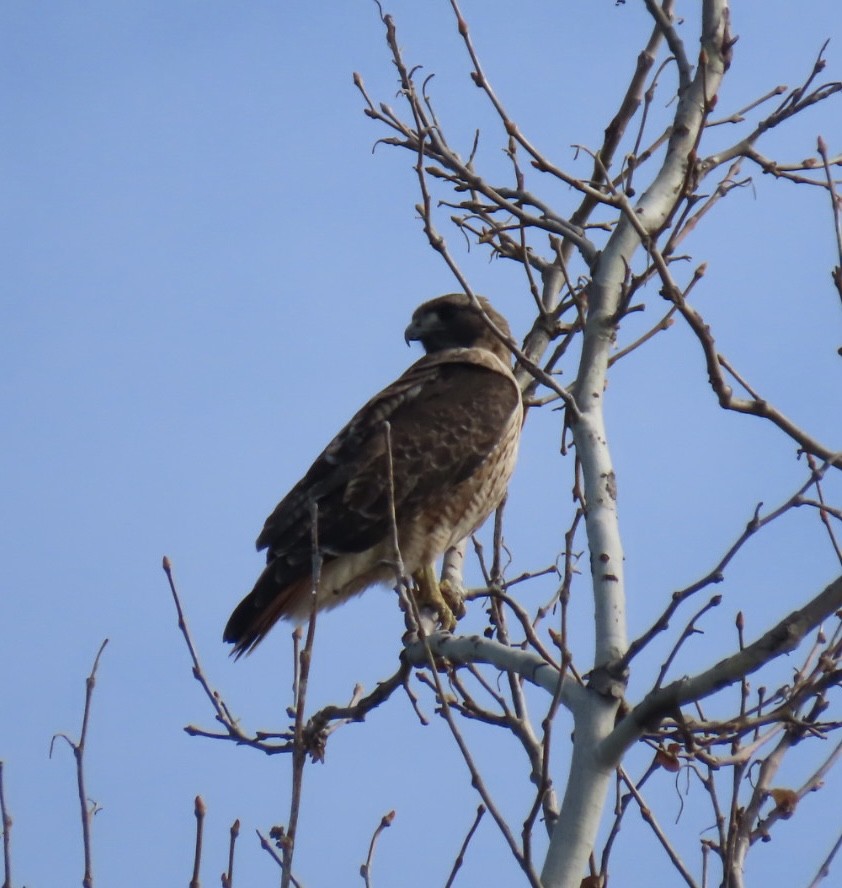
<point>206,271</point>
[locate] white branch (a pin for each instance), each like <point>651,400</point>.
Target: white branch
<point>781,639</point>
<point>590,773</point>
<point>464,649</point>
<point>584,798</point>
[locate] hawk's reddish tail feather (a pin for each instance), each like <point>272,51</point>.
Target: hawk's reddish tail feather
<point>258,612</point>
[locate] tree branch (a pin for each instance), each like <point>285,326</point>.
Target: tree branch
<point>465,649</point>
<point>781,639</point>
<point>87,808</point>
<point>7,827</point>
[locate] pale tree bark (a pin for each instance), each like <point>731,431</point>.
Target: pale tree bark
<point>590,773</point>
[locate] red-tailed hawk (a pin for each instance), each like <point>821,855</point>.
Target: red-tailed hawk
<point>454,424</point>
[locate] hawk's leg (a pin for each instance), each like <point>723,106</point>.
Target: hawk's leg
<point>444,598</point>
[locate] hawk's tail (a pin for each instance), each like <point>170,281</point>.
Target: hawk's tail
<point>258,612</point>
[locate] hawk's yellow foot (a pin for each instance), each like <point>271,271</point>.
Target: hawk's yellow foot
<point>454,596</point>
<point>444,598</point>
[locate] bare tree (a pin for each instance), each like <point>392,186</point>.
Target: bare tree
<point>727,729</point>
<point>587,272</point>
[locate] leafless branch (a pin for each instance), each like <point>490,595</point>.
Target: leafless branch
<point>476,649</point>
<point>647,814</point>
<point>825,511</point>
<point>300,749</point>
<point>739,116</point>
<point>460,857</point>
<point>824,869</point>
<point>393,521</point>
<point>717,573</point>
<point>88,809</point>
<point>664,21</point>
<point>7,828</point>
<point>781,639</point>
<point>228,875</point>
<point>427,653</point>
<point>835,200</point>
<point>328,718</point>
<point>786,802</point>
<point>365,869</point>
<point>794,103</point>
<point>276,834</point>
<point>223,714</point>
<point>689,629</point>
<point>199,810</point>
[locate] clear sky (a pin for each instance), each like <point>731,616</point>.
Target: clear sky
<point>205,271</point>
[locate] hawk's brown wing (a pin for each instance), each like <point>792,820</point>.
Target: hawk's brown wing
<point>446,415</point>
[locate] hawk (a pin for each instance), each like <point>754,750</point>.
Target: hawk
<point>450,427</point>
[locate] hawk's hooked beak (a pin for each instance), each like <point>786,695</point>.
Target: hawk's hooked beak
<point>413,332</point>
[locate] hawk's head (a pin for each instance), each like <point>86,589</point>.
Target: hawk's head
<point>453,321</point>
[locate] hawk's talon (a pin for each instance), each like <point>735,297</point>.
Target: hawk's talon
<point>443,598</point>
<point>454,596</point>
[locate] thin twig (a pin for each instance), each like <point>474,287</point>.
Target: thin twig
<point>813,782</point>
<point>393,518</point>
<point>754,406</point>
<point>330,717</point>
<point>228,876</point>
<point>621,805</point>
<point>824,869</point>
<point>299,750</point>
<point>88,809</point>
<point>781,639</point>
<point>717,573</point>
<point>316,728</point>
<point>689,629</point>
<point>7,827</point>
<point>795,102</point>
<point>223,715</point>
<point>836,274</point>
<point>267,846</point>
<point>739,115</point>
<point>649,817</point>
<point>825,511</point>
<point>476,778</point>
<point>460,857</point>
<point>199,810</point>
<point>365,868</point>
